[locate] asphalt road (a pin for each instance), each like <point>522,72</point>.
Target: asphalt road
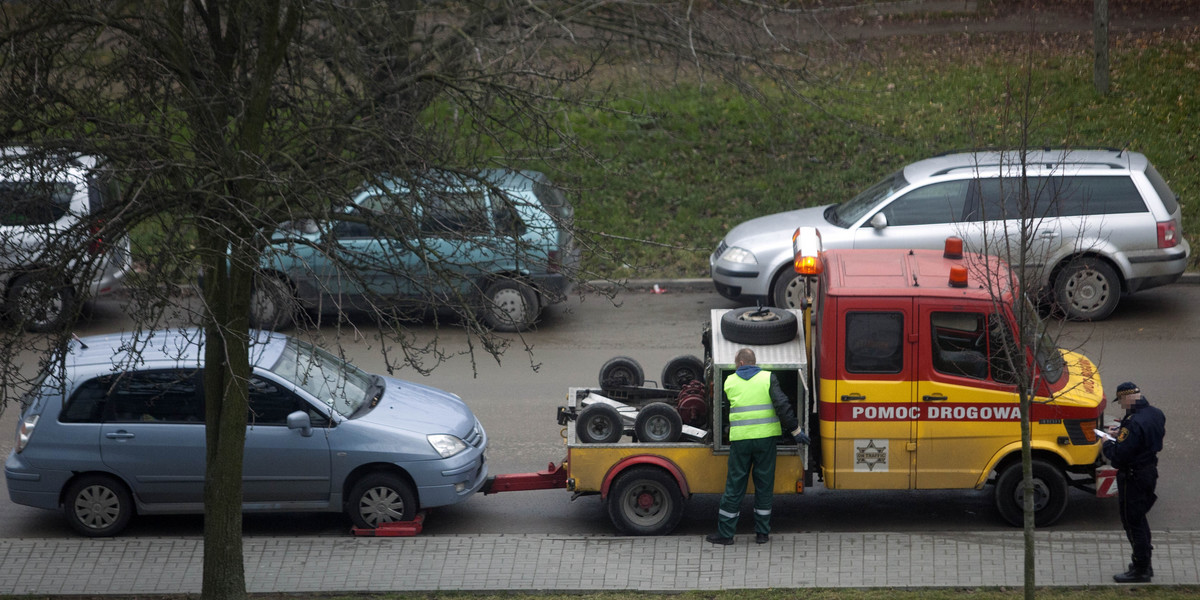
<point>1151,339</point>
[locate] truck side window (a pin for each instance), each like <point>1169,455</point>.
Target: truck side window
<point>959,344</point>
<point>874,342</point>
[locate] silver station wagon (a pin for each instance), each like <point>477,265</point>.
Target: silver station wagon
<point>117,433</point>
<point>1100,223</point>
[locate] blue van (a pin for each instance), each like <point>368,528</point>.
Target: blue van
<point>119,432</point>
<point>498,241</point>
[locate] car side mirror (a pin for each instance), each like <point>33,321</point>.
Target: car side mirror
<point>299,420</point>
<point>879,221</point>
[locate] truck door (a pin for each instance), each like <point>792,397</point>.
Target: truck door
<point>873,396</point>
<point>968,403</point>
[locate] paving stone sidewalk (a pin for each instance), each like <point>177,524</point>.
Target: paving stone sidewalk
<point>583,563</point>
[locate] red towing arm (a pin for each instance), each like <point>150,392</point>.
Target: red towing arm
<point>554,477</point>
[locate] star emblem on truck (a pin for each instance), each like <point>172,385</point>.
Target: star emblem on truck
<point>871,455</point>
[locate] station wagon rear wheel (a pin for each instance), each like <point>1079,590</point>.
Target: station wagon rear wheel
<point>97,505</point>
<point>39,304</point>
<point>381,498</point>
<point>509,306</point>
<point>1087,289</point>
<point>645,501</point>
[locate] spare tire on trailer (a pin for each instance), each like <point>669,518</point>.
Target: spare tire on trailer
<point>759,326</point>
<point>621,371</point>
<point>680,370</point>
<point>599,424</point>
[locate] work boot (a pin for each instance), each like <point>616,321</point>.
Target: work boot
<point>761,538</point>
<point>715,538</point>
<point>1135,574</point>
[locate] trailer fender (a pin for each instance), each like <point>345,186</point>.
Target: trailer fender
<point>644,459</point>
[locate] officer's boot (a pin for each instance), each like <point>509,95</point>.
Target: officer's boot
<point>1138,572</point>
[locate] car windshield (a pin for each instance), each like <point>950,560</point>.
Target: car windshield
<point>848,213</point>
<point>337,383</point>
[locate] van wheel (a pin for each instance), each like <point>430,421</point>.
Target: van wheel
<point>272,304</point>
<point>97,506</point>
<point>1049,494</point>
<point>381,498</point>
<point>621,371</point>
<point>39,304</point>
<point>645,501</point>
<point>658,423</point>
<point>680,370</point>
<point>509,306</point>
<point>759,326</point>
<point>1087,289</point>
<point>599,424</point>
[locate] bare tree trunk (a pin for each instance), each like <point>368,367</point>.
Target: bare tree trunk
<point>1100,42</point>
<point>226,291</point>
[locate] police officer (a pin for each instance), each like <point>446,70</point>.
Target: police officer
<point>1134,453</point>
<point>757,407</point>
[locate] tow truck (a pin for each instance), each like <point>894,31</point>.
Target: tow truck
<point>902,367</point>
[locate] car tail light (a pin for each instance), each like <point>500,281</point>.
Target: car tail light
<point>1168,234</point>
<point>25,431</point>
<point>96,245</point>
<point>553,264</point>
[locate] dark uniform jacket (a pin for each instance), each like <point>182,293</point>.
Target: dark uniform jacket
<point>1139,439</point>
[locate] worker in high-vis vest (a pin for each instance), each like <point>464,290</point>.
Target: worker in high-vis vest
<point>759,412</point>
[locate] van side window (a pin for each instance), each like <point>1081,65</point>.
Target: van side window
<point>24,203</point>
<point>271,403</point>
<point>959,344</point>
<point>874,342</point>
<point>171,396</point>
<point>461,213</point>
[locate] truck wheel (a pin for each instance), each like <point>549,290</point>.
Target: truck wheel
<point>1087,289</point>
<point>97,506</point>
<point>658,423</point>
<point>272,304</point>
<point>39,304</point>
<point>1049,494</point>
<point>381,498</point>
<point>509,306</point>
<point>621,371</point>
<point>759,326</point>
<point>645,501</point>
<point>680,370</point>
<point>599,424</point>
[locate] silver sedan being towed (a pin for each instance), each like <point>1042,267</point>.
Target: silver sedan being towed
<point>1096,224</point>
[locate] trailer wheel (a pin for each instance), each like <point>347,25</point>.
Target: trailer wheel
<point>658,423</point>
<point>645,501</point>
<point>1049,494</point>
<point>680,370</point>
<point>759,326</point>
<point>621,371</point>
<point>599,424</point>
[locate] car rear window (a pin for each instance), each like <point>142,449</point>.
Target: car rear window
<point>1169,199</point>
<point>24,203</point>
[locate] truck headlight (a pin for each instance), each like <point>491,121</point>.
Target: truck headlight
<point>740,255</point>
<point>446,445</point>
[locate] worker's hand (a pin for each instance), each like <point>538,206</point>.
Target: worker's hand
<point>801,437</point>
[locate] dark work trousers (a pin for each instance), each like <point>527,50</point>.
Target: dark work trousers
<point>1136,490</point>
<point>746,458</point>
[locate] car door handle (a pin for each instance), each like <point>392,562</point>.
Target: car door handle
<point>119,435</point>
<point>1048,234</point>
<point>853,397</point>
<point>935,398</point>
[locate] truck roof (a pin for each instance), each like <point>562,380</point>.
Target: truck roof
<point>926,273</point>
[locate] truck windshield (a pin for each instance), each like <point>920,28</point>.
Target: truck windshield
<point>848,213</point>
<point>1049,357</point>
<point>339,384</point>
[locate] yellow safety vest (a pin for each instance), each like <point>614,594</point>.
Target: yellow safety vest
<point>751,414</point>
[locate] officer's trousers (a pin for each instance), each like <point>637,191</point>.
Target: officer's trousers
<point>1135,489</point>
<point>748,458</point>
